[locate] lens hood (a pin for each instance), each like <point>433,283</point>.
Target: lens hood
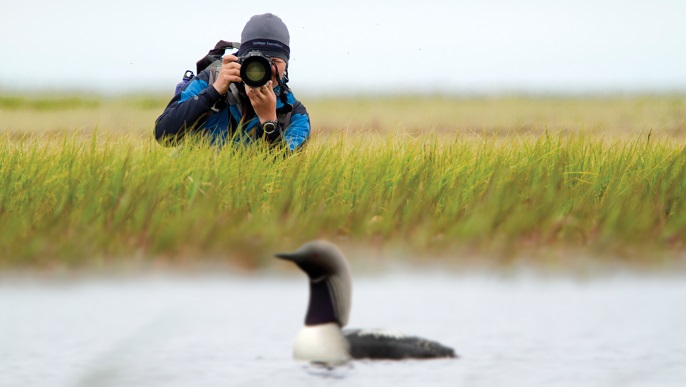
<point>256,69</point>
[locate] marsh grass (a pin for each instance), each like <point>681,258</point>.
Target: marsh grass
<point>74,199</point>
<point>84,183</point>
<point>47,103</point>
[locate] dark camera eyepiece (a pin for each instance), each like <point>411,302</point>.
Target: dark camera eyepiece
<point>256,69</point>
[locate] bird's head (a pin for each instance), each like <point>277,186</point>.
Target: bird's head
<point>328,271</point>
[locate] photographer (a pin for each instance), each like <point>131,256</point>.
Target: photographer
<point>222,105</point>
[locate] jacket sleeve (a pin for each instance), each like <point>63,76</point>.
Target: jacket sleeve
<point>186,111</point>
<point>297,133</point>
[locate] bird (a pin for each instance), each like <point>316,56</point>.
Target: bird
<point>322,340</point>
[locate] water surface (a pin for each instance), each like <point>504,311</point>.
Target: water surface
<point>237,330</point>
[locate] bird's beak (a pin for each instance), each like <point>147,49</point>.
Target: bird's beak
<point>287,256</point>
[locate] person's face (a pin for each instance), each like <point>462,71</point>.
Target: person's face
<point>280,65</point>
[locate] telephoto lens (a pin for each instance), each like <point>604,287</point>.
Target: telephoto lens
<point>256,69</point>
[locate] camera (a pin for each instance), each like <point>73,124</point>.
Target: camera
<point>256,69</point>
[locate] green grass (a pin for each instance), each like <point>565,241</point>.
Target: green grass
<point>47,103</point>
<point>82,182</point>
<point>74,199</point>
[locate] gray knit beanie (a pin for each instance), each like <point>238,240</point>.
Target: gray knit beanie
<point>268,34</point>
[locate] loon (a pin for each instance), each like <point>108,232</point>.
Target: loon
<point>322,340</point>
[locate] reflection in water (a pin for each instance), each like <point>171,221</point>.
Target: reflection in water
<point>218,330</point>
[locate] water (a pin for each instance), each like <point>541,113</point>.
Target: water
<point>231,330</point>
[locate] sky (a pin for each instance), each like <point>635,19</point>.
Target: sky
<point>355,46</point>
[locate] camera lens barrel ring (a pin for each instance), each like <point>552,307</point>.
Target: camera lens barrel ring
<point>256,69</point>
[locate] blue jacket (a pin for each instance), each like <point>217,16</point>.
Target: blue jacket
<point>200,108</point>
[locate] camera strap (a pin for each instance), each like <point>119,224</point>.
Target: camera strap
<point>215,54</point>
<point>283,96</point>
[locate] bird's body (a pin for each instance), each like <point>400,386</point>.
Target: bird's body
<point>323,343</point>
<point>322,339</point>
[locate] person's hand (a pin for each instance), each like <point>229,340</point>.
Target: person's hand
<point>230,72</point>
<point>263,100</point>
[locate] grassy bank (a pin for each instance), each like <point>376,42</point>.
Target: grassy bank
<point>109,192</point>
<point>503,116</point>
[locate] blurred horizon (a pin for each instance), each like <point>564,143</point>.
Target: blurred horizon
<point>490,47</point>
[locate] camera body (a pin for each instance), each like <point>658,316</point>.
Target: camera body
<point>256,69</point>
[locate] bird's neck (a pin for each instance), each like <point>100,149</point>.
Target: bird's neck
<point>322,308</point>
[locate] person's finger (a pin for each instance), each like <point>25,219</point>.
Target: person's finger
<point>255,94</point>
<point>231,72</point>
<point>229,58</point>
<point>265,89</point>
<point>255,99</point>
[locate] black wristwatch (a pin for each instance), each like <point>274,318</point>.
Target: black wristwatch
<point>269,127</point>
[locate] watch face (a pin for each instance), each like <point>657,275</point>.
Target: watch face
<point>269,127</point>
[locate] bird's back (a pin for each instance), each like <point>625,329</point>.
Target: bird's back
<point>382,344</point>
